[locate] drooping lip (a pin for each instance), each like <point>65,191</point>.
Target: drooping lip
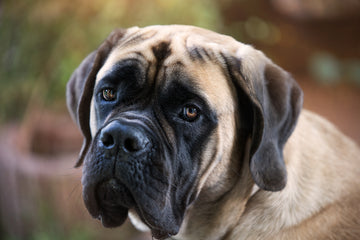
<point>90,201</point>
<point>103,202</point>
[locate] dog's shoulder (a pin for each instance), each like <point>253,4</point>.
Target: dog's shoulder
<point>317,139</point>
<point>322,194</point>
<point>319,156</point>
<point>323,178</point>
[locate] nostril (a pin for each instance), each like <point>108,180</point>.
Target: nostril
<point>107,139</point>
<point>131,145</point>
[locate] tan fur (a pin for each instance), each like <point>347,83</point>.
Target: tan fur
<point>321,199</point>
<point>322,191</point>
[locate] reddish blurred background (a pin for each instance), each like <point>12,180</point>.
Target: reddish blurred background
<point>42,42</point>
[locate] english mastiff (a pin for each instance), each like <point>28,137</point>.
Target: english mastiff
<point>194,135</point>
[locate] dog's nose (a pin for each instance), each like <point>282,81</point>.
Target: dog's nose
<point>123,136</point>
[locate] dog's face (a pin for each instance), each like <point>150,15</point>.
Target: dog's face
<point>166,112</point>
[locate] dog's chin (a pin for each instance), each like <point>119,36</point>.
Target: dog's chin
<point>115,219</point>
<point>113,209</point>
<point>141,226</point>
<point>161,225</point>
<point>110,201</point>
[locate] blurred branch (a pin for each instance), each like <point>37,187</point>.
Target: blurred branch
<point>318,9</point>
<point>43,41</point>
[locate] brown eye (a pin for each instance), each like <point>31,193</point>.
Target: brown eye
<point>108,94</point>
<point>190,113</point>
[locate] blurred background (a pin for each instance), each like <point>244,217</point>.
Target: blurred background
<point>43,41</point>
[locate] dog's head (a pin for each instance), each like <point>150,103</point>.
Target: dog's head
<point>164,109</point>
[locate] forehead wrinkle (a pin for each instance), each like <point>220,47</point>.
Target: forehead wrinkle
<point>115,60</point>
<point>139,43</point>
<point>215,87</point>
<point>137,37</point>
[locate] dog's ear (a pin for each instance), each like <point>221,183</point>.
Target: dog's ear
<point>80,88</point>
<point>276,101</point>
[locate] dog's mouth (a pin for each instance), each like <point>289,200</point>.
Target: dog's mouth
<point>111,200</point>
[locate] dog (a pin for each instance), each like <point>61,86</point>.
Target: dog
<point>194,135</point>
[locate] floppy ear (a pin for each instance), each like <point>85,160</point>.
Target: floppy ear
<point>80,88</point>
<point>276,101</point>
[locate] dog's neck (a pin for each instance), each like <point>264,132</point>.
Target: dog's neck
<point>215,220</point>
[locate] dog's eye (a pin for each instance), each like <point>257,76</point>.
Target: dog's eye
<point>108,94</point>
<point>190,113</point>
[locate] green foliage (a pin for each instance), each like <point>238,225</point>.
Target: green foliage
<point>42,42</point>
<point>56,234</point>
<point>327,69</point>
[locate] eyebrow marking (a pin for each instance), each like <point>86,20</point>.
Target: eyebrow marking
<point>161,51</point>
